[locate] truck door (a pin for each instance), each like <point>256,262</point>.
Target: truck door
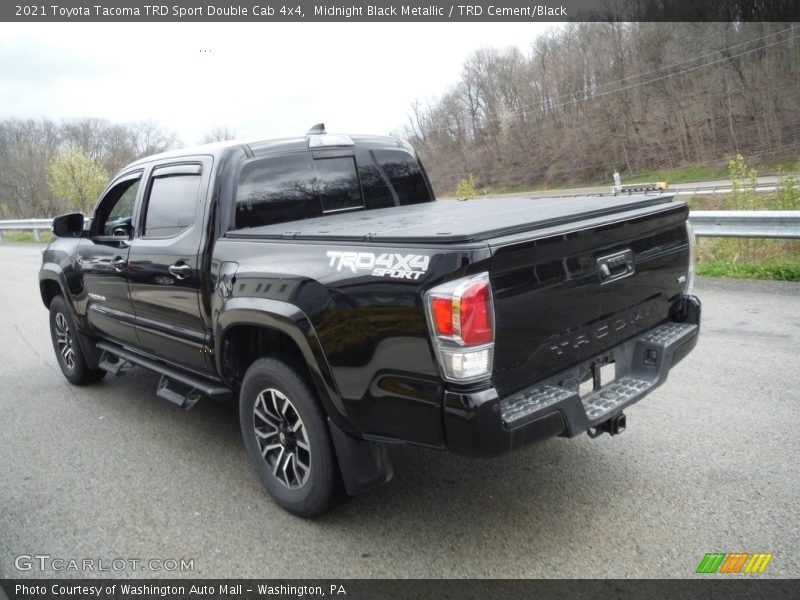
<point>102,259</point>
<point>163,263</point>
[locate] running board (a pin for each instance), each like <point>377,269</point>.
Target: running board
<point>185,398</point>
<point>112,364</point>
<point>190,388</point>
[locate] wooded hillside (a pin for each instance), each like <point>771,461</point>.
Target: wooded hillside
<point>591,97</point>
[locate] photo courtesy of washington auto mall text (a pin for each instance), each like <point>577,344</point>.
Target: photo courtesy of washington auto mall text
<point>415,299</point>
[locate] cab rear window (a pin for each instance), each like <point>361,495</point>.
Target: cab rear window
<point>300,186</point>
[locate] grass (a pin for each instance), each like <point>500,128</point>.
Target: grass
<point>700,173</point>
<point>687,174</point>
<point>26,236</point>
<point>787,270</point>
<point>682,175</point>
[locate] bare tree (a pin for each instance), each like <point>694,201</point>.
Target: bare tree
<point>592,97</point>
<point>218,133</point>
<point>27,150</point>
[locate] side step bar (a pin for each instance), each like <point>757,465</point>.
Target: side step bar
<point>195,386</point>
<point>112,366</point>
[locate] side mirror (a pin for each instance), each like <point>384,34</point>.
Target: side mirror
<point>70,225</point>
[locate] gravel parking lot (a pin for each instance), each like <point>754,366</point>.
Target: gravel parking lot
<point>708,464</point>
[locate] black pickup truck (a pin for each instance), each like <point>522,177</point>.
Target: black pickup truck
<point>317,281</point>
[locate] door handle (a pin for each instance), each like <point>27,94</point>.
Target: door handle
<point>118,263</point>
<point>181,271</point>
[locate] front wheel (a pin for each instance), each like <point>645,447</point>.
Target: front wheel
<point>287,438</point>
<point>67,347</point>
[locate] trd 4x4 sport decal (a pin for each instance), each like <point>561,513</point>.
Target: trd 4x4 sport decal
<point>396,266</point>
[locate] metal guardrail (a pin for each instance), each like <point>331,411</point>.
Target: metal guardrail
<point>778,224</point>
<point>719,189</point>
<point>36,225</point>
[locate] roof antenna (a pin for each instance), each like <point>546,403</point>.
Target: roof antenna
<point>317,129</point>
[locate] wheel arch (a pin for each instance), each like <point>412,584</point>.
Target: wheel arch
<point>52,284</point>
<point>249,328</point>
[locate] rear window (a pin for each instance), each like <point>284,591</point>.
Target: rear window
<point>338,184</point>
<point>405,175</point>
<point>298,186</point>
<point>276,190</point>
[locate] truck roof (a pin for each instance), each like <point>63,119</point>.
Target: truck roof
<point>262,147</point>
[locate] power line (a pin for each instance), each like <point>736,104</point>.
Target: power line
<point>688,60</point>
<point>522,111</point>
<point>667,76</point>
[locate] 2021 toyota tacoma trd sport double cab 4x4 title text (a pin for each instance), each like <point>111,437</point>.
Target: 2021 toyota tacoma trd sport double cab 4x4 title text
<point>317,281</point>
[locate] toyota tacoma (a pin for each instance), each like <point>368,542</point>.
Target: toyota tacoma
<point>317,282</point>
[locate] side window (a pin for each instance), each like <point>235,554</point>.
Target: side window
<point>171,203</point>
<point>114,214</point>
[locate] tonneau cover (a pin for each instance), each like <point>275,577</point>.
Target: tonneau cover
<point>452,221</point>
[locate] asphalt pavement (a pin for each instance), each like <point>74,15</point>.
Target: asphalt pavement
<point>709,463</point>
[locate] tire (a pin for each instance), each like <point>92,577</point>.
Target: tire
<point>67,347</point>
<point>286,435</point>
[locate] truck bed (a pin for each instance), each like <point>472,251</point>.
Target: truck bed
<point>447,222</point>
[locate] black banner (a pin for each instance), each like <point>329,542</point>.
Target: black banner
<point>357,589</point>
<point>408,11</point>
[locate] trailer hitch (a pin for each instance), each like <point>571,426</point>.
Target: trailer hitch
<point>612,426</point>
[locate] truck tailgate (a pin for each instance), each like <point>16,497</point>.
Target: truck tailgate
<point>564,295</point>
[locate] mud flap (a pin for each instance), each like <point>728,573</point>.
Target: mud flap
<point>364,465</point>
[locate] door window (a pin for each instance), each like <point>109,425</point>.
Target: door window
<point>114,214</point>
<point>171,204</point>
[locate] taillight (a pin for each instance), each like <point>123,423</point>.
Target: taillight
<point>475,319</point>
<point>461,318</point>
<point>443,315</point>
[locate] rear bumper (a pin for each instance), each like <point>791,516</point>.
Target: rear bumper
<point>480,423</point>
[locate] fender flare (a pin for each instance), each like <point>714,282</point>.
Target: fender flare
<point>53,272</point>
<point>293,322</point>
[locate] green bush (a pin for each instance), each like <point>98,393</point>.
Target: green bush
<point>466,188</point>
<point>744,181</point>
<point>788,193</point>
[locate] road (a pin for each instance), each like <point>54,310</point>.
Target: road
<point>767,183</point>
<point>708,463</point>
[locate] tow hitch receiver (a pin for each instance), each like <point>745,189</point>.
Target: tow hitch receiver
<point>613,426</point>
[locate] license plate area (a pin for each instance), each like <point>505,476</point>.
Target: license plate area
<point>600,374</point>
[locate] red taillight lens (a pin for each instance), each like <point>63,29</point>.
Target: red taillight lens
<point>475,314</point>
<point>443,315</point>
<point>464,314</point>
<point>461,320</point>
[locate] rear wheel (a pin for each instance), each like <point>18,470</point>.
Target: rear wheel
<point>67,348</point>
<point>287,439</point>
